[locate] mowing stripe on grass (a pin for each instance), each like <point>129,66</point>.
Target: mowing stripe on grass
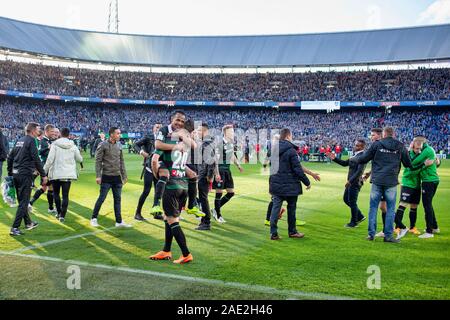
<point>234,285</point>
<point>52,242</point>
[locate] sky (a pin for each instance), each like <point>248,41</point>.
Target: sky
<point>231,17</point>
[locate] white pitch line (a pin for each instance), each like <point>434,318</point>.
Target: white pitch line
<point>234,285</point>
<point>52,242</point>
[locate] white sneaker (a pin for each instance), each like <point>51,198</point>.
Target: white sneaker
<point>221,220</point>
<point>30,208</point>
<point>94,223</point>
<point>214,214</point>
<point>123,225</point>
<point>436,231</point>
<point>380,234</point>
<point>426,235</point>
<point>52,211</point>
<point>402,233</point>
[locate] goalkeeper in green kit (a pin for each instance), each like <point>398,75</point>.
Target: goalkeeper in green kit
<point>421,179</point>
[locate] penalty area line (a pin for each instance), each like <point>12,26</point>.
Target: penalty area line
<point>205,281</point>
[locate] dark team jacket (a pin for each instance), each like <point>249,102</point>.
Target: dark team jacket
<point>24,158</point>
<point>286,172</point>
<point>146,144</point>
<point>355,170</point>
<point>3,147</point>
<point>208,166</point>
<point>44,149</point>
<point>387,155</point>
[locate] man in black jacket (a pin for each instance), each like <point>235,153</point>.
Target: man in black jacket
<point>23,160</point>
<point>50,135</point>
<point>145,147</point>
<point>101,137</point>
<point>387,155</point>
<point>354,182</point>
<point>286,176</point>
<point>208,171</point>
<point>3,152</point>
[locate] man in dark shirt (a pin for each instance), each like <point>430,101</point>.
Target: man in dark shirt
<point>207,173</point>
<point>387,155</point>
<point>354,182</point>
<point>50,135</point>
<point>23,160</point>
<point>226,154</point>
<point>145,147</point>
<point>3,152</point>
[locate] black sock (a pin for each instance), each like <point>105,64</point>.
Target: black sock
<point>269,211</point>
<point>192,193</point>
<point>179,236</point>
<point>383,217</point>
<point>217,203</point>
<point>50,199</point>
<point>159,190</point>
<point>168,239</point>
<point>399,217</point>
<point>37,195</point>
<point>412,217</point>
<point>225,199</point>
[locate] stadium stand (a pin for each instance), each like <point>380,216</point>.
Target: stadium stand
<point>420,84</point>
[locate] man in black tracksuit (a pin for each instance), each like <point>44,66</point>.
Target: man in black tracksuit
<point>387,155</point>
<point>96,143</point>
<point>23,160</point>
<point>145,147</point>
<point>3,152</point>
<point>286,176</point>
<point>354,182</point>
<point>208,171</point>
<point>44,150</point>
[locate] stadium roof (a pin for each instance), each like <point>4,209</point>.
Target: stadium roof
<point>412,44</point>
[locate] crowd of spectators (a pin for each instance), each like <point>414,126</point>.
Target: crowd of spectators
<point>419,84</point>
<point>314,128</point>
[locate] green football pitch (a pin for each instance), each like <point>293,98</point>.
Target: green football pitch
<point>236,260</point>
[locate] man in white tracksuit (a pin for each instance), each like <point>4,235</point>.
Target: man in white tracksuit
<point>61,167</point>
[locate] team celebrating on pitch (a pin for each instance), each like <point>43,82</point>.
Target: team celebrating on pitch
<point>185,163</point>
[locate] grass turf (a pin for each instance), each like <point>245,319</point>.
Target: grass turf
<point>330,260</point>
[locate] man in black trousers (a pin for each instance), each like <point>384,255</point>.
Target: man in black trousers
<point>145,147</point>
<point>354,182</point>
<point>23,160</point>
<point>286,178</point>
<point>3,152</point>
<point>208,171</point>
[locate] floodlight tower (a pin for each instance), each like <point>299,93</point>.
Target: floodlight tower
<point>113,17</point>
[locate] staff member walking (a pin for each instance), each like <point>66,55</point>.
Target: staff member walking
<point>354,182</point>
<point>61,167</point>
<point>111,174</point>
<point>387,155</point>
<point>208,171</point>
<point>285,183</point>
<point>145,147</point>
<point>3,152</point>
<point>23,160</point>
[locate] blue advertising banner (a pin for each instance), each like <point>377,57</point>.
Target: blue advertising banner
<point>266,104</point>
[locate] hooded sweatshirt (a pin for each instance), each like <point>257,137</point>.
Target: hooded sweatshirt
<point>62,160</point>
<point>387,155</point>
